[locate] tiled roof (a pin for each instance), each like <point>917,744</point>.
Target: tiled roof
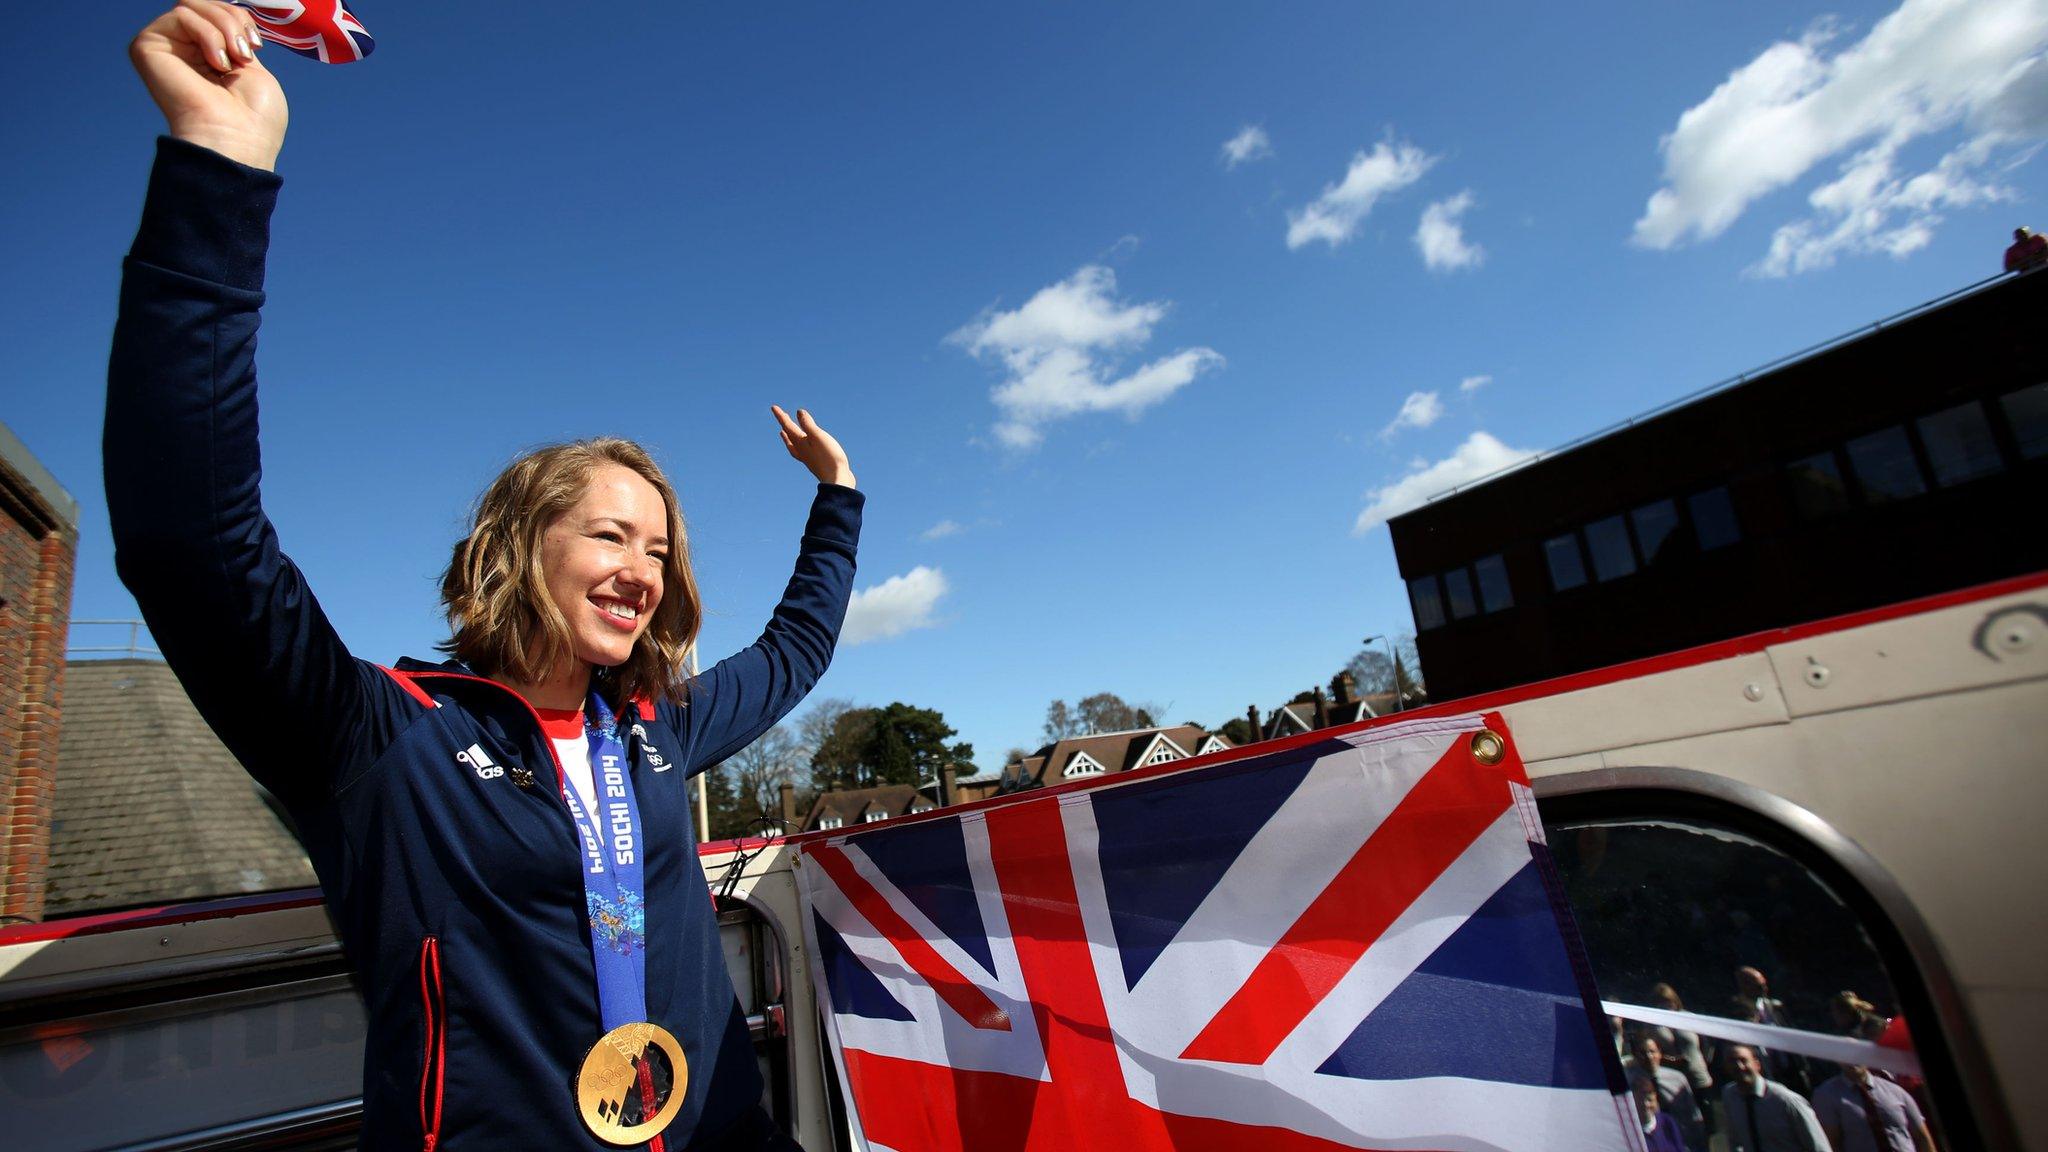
<point>852,803</point>
<point>1115,751</point>
<point>149,807</point>
<point>1303,713</point>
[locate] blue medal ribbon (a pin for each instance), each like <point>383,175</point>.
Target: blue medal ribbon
<point>612,852</point>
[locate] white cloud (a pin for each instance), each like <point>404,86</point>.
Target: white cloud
<point>1931,66</point>
<point>1478,456</point>
<point>941,530</point>
<point>897,605</point>
<point>1061,354</point>
<point>1334,216</point>
<point>1250,143</point>
<point>1441,236</point>
<point>1471,384</point>
<point>1869,209</point>
<point>1419,410</point>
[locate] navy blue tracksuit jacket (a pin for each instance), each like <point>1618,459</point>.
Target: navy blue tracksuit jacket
<point>458,893</point>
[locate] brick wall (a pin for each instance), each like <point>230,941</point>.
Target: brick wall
<point>38,546</point>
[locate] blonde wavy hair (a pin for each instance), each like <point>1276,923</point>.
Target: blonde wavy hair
<point>502,621</point>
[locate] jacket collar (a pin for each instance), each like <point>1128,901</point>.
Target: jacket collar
<point>406,664</point>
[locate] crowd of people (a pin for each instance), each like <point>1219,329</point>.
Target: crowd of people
<point>1696,1094</point>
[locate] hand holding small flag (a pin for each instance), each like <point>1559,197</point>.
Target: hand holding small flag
<point>198,61</point>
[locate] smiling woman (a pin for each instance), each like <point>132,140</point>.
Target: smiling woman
<point>576,559</point>
<point>501,839</point>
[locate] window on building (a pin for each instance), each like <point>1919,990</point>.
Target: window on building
<point>1427,602</point>
<point>1082,765</point>
<point>1713,518</point>
<point>1494,593</point>
<point>2027,411</point>
<point>830,822</point>
<point>1884,466</point>
<point>1683,913</point>
<point>1161,756</point>
<point>873,816</point>
<point>1607,540</point>
<point>1655,524</point>
<point>1458,591</point>
<point>1817,487</point>
<point>1959,444</point>
<point>1567,567</point>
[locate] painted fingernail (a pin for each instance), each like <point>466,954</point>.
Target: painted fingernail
<point>255,38</point>
<point>242,46</point>
<point>220,57</point>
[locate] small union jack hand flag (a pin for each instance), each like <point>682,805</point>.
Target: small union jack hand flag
<point>322,29</point>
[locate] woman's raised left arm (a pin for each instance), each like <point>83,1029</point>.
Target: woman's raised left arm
<point>743,695</point>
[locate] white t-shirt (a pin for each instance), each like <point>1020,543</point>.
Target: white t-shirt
<point>572,747</point>
<point>575,756</point>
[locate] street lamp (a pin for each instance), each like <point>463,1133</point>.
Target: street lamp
<point>1394,664</point>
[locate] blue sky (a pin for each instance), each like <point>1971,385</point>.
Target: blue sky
<point>1126,401</point>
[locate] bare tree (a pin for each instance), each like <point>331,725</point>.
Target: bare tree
<point>1061,722</point>
<point>1109,712</point>
<point>761,769</point>
<point>1102,712</point>
<point>815,727</point>
<point>1373,671</point>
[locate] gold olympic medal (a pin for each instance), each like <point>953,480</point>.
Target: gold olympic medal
<point>608,1087</point>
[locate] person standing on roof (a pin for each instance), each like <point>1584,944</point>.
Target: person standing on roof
<point>2029,250</point>
<point>503,839</point>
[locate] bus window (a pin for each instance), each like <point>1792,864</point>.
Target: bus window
<point>1607,540</point>
<point>140,1073</point>
<point>1713,519</point>
<point>1959,444</point>
<point>1567,569</point>
<point>1654,524</point>
<point>2026,409</point>
<point>1688,916</point>
<point>1817,488</point>
<point>1884,466</point>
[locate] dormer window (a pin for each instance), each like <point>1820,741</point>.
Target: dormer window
<point>1083,765</point>
<point>873,816</point>
<point>833,821</point>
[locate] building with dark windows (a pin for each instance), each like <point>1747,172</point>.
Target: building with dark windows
<point>1905,460</point>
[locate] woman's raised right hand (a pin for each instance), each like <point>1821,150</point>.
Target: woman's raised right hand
<point>198,61</point>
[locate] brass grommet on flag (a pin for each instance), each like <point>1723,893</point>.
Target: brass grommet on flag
<point>1488,747</point>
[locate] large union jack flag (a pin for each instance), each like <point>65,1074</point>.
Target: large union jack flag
<point>322,29</point>
<point>1349,942</point>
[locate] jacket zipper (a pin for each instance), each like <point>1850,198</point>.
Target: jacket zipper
<point>430,948</point>
<point>434,1060</point>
